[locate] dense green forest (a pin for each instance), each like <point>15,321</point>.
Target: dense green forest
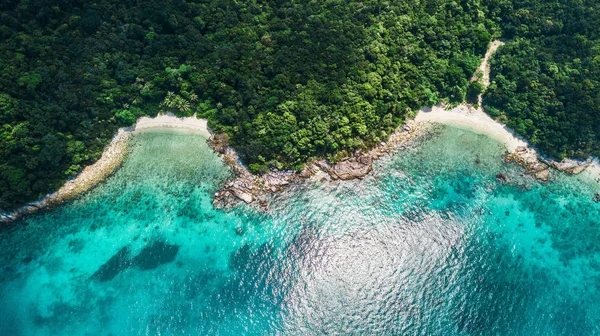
<point>546,79</point>
<point>287,80</point>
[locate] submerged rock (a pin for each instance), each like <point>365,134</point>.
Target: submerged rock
<point>115,265</point>
<point>501,177</point>
<point>154,255</point>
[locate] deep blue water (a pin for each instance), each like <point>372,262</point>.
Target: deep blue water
<point>430,244</point>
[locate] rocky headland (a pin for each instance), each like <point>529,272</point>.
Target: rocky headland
<point>254,189</point>
<point>540,168</point>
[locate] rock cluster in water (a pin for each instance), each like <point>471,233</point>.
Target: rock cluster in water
<point>528,159</point>
<point>539,168</point>
<point>246,186</point>
<point>357,166</point>
<point>569,166</point>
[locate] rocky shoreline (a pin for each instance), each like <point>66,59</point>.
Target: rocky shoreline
<point>253,189</point>
<point>248,188</point>
<point>540,168</point>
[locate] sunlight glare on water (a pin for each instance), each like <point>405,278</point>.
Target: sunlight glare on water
<point>430,243</point>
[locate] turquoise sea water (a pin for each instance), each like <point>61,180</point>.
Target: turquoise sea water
<point>431,243</point>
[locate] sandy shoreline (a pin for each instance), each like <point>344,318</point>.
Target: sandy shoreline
<point>112,157</point>
<point>474,120</point>
<point>170,121</point>
<point>477,121</point>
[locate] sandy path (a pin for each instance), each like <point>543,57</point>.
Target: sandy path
<point>475,120</point>
<point>485,64</point>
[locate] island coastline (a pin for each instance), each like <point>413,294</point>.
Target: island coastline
<point>247,187</point>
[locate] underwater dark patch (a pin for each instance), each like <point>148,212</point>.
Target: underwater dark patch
<point>154,255</point>
<point>115,265</point>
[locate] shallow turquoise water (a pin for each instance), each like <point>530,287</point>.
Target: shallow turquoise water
<point>431,243</point>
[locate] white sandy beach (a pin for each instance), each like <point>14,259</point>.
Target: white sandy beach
<point>475,120</point>
<point>171,121</point>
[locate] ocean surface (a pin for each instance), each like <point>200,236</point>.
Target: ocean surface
<point>431,243</point>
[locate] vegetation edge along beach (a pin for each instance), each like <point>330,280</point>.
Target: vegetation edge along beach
<point>248,187</point>
<point>287,81</point>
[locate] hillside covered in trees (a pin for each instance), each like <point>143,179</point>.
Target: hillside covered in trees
<point>287,80</point>
<point>546,79</point>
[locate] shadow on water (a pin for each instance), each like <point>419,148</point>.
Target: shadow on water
<point>496,290</point>
<point>150,257</point>
<point>253,275</point>
<point>154,255</point>
<point>115,265</point>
